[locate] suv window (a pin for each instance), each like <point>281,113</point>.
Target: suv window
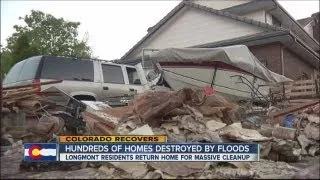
<point>112,74</point>
<point>30,68</point>
<point>67,69</point>
<point>14,73</point>
<point>133,76</point>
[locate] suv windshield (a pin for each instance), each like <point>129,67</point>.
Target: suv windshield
<point>67,69</point>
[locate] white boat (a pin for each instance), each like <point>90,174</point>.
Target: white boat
<point>232,71</point>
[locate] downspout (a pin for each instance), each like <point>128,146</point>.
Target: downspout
<point>282,61</point>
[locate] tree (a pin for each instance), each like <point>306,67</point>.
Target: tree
<point>44,34</point>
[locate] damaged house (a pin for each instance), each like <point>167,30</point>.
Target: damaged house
<point>271,33</point>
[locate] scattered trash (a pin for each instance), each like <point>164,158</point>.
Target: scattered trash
<point>289,120</point>
<point>187,115</point>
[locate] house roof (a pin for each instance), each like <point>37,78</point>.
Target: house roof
<point>284,37</point>
<point>207,9</point>
<point>305,21</point>
<point>273,7</point>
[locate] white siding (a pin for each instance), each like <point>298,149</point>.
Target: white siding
<point>256,15</point>
<point>195,27</point>
<point>220,4</point>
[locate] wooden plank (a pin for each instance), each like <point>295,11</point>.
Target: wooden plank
<point>293,109</point>
<point>31,85</point>
<point>313,86</point>
<point>303,82</point>
<point>306,93</point>
<point>300,100</point>
<point>277,90</point>
<point>19,93</point>
<point>10,101</point>
<point>288,86</point>
<point>16,90</point>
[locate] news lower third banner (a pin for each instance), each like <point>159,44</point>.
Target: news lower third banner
<point>138,148</point>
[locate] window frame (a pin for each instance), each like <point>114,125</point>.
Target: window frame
<point>63,59</point>
<point>129,78</point>
<point>114,65</point>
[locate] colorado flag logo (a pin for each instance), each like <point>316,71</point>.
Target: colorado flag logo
<point>40,152</point>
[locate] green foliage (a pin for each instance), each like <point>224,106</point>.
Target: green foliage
<point>6,61</point>
<point>43,34</point>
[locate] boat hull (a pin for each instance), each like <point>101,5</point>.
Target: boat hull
<point>226,80</point>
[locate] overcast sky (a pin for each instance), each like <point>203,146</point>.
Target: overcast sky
<point>114,26</point>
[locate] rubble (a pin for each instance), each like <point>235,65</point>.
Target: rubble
<point>108,171</point>
<point>153,175</point>
<point>178,168</point>
<point>236,132</point>
<point>312,131</point>
<point>135,169</point>
<point>188,115</point>
<point>277,117</point>
<point>304,143</point>
<point>214,125</point>
<point>284,133</point>
<point>311,172</point>
<point>143,130</point>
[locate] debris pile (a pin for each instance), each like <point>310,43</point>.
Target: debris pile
<point>188,115</point>
<point>184,116</point>
<point>298,135</point>
<point>39,118</point>
<point>24,97</point>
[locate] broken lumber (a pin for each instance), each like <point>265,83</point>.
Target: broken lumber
<point>277,117</point>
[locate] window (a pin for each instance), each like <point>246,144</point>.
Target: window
<point>67,69</point>
<point>133,76</point>
<point>112,74</point>
<point>14,73</point>
<point>30,68</point>
<point>275,21</point>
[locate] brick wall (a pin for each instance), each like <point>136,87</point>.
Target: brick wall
<point>270,55</point>
<point>295,67</point>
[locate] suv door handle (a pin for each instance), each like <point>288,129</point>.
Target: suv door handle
<point>132,89</point>
<point>105,88</point>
